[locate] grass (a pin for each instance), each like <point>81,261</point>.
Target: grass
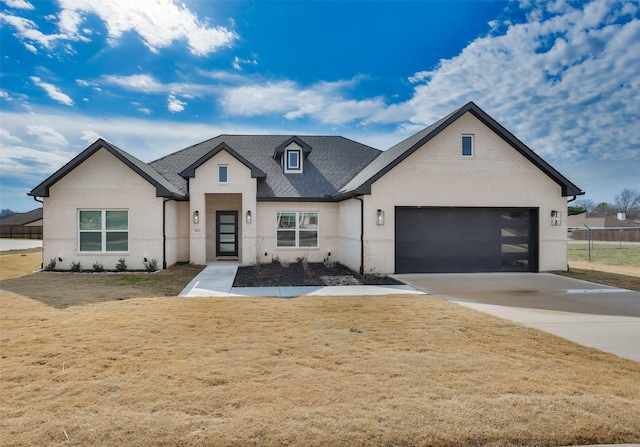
<point>78,368</point>
<point>610,279</point>
<point>62,290</point>
<point>626,254</point>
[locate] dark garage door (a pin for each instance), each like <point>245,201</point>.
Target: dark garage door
<point>466,240</point>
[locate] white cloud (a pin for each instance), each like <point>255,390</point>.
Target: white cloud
<point>143,82</point>
<point>18,4</point>
<point>53,91</point>
<point>27,32</point>
<point>175,105</point>
<point>158,22</point>
<point>566,84</point>
<point>47,135</point>
<point>148,84</point>
<point>238,63</point>
<point>323,101</point>
<point>90,136</point>
<point>7,137</point>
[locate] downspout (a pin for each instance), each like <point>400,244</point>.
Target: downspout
<point>41,201</point>
<point>361,234</point>
<point>572,199</point>
<point>164,234</point>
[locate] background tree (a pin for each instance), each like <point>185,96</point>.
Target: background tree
<point>628,202</point>
<point>6,213</point>
<point>587,204</point>
<point>575,210</point>
<point>603,208</point>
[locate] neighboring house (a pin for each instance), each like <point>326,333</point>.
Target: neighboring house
<point>22,225</point>
<point>462,195</point>
<point>602,227</point>
<point>597,220</point>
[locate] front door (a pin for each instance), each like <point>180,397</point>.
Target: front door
<point>227,233</point>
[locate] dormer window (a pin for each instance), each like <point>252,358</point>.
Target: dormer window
<point>292,154</point>
<point>294,160</point>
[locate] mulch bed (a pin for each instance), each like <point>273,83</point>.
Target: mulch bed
<point>275,274</point>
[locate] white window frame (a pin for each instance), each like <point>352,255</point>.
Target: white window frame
<point>288,168</point>
<point>470,136</point>
<point>103,231</point>
<point>226,167</point>
<point>297,230</point>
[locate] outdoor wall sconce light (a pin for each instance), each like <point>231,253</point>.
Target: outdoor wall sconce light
<point>556,218</point>
<point>248,219</point>
<point>380,217</point>
<point>196,217</point>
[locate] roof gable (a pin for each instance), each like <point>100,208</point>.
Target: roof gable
<point>163,187</point>
<point>191,170</point>
<point>361,184</point>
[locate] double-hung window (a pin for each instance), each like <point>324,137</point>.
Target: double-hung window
<point>297,229</point>
<point>103,230</point>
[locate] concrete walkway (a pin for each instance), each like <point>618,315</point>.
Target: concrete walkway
<point>19,244</point>
<point>216,280</point>
<point>594,315</point>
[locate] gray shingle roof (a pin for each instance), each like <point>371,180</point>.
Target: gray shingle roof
<point>164,188</point>
<point>334,167</point>
<point>361,183</point>
<point>331,163</point>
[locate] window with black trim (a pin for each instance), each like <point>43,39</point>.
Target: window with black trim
<point>467,145</point>
<point>103,231</point>
<point>297,229</point>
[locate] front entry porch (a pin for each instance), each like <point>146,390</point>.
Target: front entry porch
<point>224,227</point>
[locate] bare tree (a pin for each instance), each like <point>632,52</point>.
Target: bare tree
<point>628,202</point>
<point>6,213</point>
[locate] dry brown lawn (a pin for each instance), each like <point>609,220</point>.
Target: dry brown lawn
<point>392,370</point>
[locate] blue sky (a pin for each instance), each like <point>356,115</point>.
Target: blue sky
<point>156,76</point>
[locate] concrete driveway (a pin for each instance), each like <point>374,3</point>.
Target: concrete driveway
<point>590,314</point>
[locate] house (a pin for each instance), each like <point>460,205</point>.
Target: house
<point>462,195</point>
<point>22,225</point>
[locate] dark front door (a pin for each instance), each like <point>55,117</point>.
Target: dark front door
<point>466,240</point>
<point>226,233</point>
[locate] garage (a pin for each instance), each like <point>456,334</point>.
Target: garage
<point>465,240</point>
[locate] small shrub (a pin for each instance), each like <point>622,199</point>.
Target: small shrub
<point>121,266</point>
<point>151,265</point>
<point>275,260</point>
<point>51,265</point>
<point>374,273</point>
<point>304,261</point>
<point>328,262</point>
<point>98,267</point>
<point>76,266</point>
